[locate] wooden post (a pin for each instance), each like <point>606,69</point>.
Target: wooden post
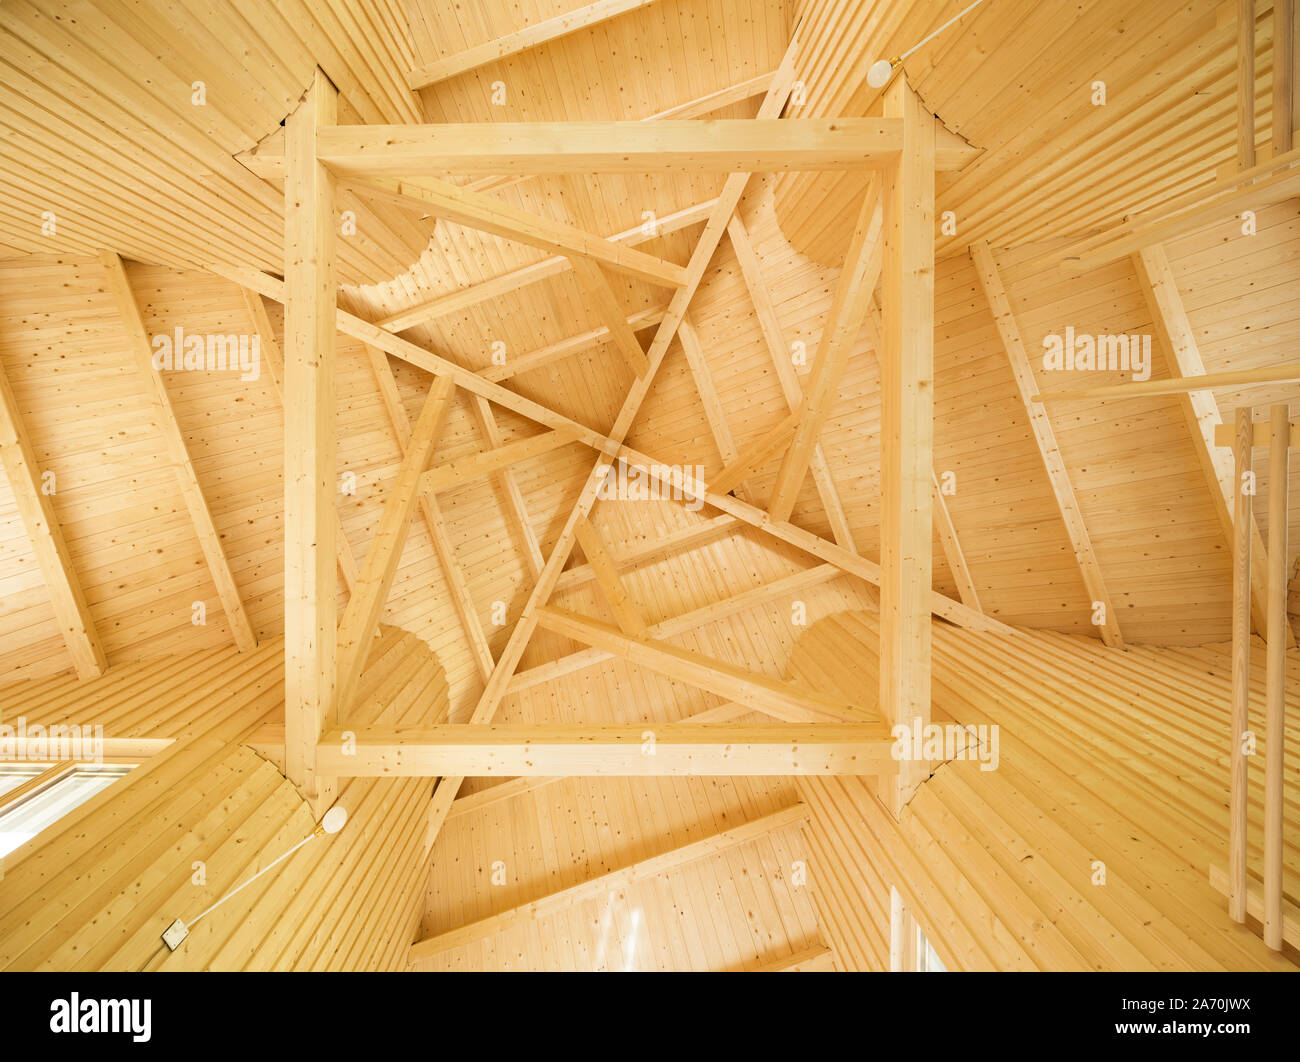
<point>907,431</point>
<point>1239,794</point>
<point>310,609</point>
<point>1245,84</point>
<point>1275,667</point>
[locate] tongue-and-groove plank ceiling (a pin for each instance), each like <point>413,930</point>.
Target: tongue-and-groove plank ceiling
<point>99,129</point>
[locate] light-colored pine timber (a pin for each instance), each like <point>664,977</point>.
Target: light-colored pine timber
<point>310,447</point>
<point>1044,435</point>
<point>36,507</point>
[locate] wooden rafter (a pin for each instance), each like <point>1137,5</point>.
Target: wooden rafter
<point>747,459</point>
<point>1267,374</point>
<point>520,40</point>
<point>476,294</point>
<point>843,324</point>
<point>952,550</point>
<point>1274,181</point>
<point>776,590</point>
<point>616,596</point>
<point>600,297</point>
<point>270,348</point>
<point>1200,409</point>
<point>310,446</point>
<point>516,510</point>
<point>36,508</point>
<point>361,620</point>
<point>1057,474</point>
<point>486,214</point>
<point>433,519</point>
<point>570,347</point>
<point>641,870</point>
<point>708,395</point>
<point>495,750</point>
<point>770,325</point>
<point>671,545</point>
<point>178,453</point>
<point>783,700</point>
<point>462,470</point>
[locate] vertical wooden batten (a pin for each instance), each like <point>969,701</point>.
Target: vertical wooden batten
<point>1275,727</point>
<point>1238,808</point>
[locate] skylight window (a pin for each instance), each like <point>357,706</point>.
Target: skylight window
<point>45,803</point>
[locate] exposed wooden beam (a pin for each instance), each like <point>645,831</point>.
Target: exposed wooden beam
<point>178,453</point>
<point>412,354</point>
<point>715,101</point>
<point>1270,182</point>
<point>813,545</point>
<point>641,870</point>
<point>496,750</point>
<point>461,597</point>
<point>1054,464</point>
<point>770,325</point>
<point>906,356</point>
<point>686,538</point>
<point>308,293</point>
<point>270,348</point>
<point>952,550</point>
<point>515,787</point>
<point>462,470</point>
<point>714,412</point>
<point>730,145</point>
<point>1237,378</point>
<point>568,348</point>
<point>520,40</point>
<point>433,520</point>
<point>516,510</point>
<point>36,509</point>
<point>747,459</point>
<point>360,621</point>
<point>615,594</point>
<point>486,214</point>
<point>784,700</point>
<point>1200,409</point>
<point>784,588</point>
<point>600,297</point>
<point>943,523</point>
<point>693,108</point>
<point>840,331</point>
<point>476,294</point>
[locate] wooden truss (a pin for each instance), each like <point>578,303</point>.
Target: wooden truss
<point>893,239</point>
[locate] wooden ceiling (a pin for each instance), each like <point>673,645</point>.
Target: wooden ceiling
<point>130,163</point>
<point>107,150</point>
